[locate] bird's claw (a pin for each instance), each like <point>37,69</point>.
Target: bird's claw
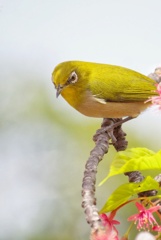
<point>106,130</point>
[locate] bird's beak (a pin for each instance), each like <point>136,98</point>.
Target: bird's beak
<point>58,90</point>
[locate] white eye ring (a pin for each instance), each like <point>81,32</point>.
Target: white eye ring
<point>73,77</point>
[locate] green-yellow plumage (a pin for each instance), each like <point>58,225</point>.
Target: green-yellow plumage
<point>102,90</point>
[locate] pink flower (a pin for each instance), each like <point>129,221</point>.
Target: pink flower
<point>144,218</point>
<point>156,100</point>
<point>108,232</point>
<point>159,88</point>
<point>108,220</point>
<point>156,228</point>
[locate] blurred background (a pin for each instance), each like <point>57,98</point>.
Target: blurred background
<point>44,143</point>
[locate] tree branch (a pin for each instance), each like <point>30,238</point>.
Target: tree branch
<point>101,139</point>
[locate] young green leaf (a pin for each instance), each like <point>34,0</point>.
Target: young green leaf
<point>124,192</point>
<point>135,159</point>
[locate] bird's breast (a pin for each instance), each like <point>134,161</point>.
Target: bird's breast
<point>92,107</point>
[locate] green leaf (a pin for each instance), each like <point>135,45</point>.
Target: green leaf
<point>135,159</point>
<point>124,192</point>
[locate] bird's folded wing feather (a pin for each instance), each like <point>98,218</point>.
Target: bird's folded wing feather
<point>123,88</point>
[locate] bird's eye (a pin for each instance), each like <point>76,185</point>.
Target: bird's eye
<point>73,78</point>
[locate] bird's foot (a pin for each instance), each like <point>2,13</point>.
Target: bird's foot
<point>109,126</point>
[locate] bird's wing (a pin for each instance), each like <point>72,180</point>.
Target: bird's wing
<point>122,86</point>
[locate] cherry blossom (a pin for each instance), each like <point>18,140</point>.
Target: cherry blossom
<point>108,231</point>
<point>144,218</point>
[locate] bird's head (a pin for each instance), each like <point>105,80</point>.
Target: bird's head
<point>71,81</point>
<point>65,76</point>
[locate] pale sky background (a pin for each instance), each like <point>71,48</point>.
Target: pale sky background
<point>35,35</point>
